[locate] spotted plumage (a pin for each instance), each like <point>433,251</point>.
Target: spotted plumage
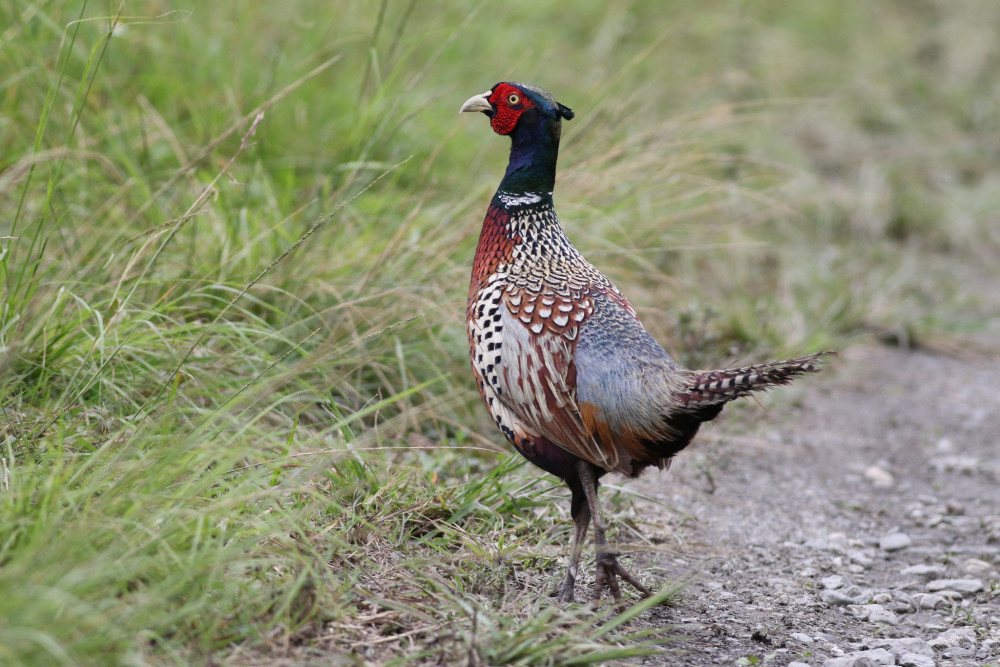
<point>564,366</point>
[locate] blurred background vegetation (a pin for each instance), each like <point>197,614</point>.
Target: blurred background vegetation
<point>237,418</point>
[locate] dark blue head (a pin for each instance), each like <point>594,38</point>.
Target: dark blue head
<point>533,120</point>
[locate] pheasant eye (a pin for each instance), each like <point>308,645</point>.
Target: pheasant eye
<point>513,98</point>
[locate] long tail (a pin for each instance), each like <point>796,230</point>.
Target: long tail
<point>705,388</point>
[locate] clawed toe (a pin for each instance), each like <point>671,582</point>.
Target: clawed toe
<point>608,571</point>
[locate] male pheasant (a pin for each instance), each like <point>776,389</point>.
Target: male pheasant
<point>563,364</point>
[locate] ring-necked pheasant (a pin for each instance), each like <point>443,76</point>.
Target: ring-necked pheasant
<point>563,364</point>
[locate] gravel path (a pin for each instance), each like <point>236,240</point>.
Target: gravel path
<point>864,529</point>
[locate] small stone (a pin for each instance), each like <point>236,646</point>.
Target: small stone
<point>915,660</point>
<point>835,598</point>
<point>894,542</point>
<point>902,596</point>
<point>954,508</point>
<point>901,607</point>
<point>781,584</point>
<point>878,656</point>
<point>845,661</point>
<point>883,615</point>
<point>801,637</point>
<point>935,571</point>
<point>874,613</point>
<point>963,586</point>
<point>860,557</point>
<point>910,645</point>
<point>976,567</point>
<point>832,582</point>
<point>857,593</point>
<point>957,652</point>
<point>797,663</point>
<point>882,598</point>
<point>956,637</point>
<point>880,477</point>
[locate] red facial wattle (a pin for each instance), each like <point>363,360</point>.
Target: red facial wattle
<point>509,102</point>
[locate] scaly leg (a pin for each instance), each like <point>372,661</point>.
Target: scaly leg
<point>580,510</point>
<point>608,567</point>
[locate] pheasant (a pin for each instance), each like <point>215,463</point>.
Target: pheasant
<point>562,362</point>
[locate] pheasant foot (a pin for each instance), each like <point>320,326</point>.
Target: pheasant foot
<point>608,571</point>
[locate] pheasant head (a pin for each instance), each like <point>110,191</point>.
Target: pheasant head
<point>532,118</point>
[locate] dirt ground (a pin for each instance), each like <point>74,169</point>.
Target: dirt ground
<point>854,521</point>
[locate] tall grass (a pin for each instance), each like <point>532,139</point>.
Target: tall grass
<point>236,418</point>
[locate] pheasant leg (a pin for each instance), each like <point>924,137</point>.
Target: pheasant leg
<point>608,567</point>
<point>580,509</point>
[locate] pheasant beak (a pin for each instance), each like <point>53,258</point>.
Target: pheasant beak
<point>479,103</point>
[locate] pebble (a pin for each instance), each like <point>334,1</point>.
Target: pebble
<point>880,477</point>
<point>957,652</point>
<point>926,571</point>
<point>928,601</point>
<point>915,660</point>
<point>860,557</point>
<point>906,645</point>
<point>801,637</point>
<point>816,543</point>
<point>835,598</point>
<point>963,586</point>
<point>901,607</point>
<point>882,615</point>
<point>878,656</point>
<point>954,508</point>
<point>894,542</point>
<point>797,663</point>
<point>846,661</point>
<point>874,613</point>
<point>832,582</point>
<point>977,567</point>
<point>956,637</point>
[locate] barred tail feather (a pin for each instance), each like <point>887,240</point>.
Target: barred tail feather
<point>704,388</point>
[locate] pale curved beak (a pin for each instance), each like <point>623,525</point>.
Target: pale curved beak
<point>478,103</point>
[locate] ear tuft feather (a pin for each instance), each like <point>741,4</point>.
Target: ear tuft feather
<point>565,112</point>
